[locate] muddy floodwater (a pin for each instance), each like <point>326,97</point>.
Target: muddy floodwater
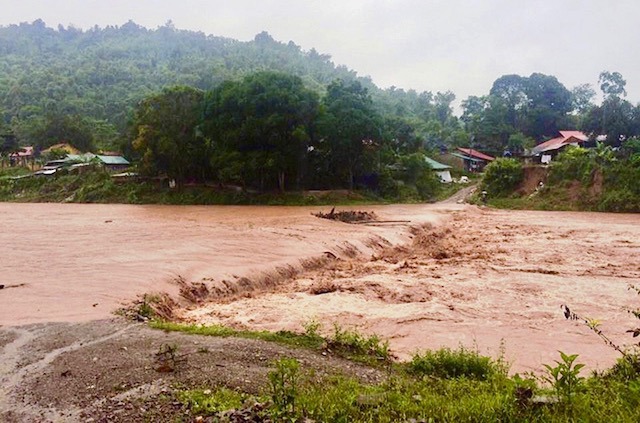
<point>75,262</point>
<point>486,279</point>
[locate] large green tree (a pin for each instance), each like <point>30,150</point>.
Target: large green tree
<point>165,134</point>
<point>616,118</point>
<point>487,120</point>
<point>56,127</point>
<point>612,84</point>
<point>536,106</point>
<point>548,105</point>
<point>350,131</point>
<point>267,118</point>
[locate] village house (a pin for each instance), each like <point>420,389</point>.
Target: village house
<point>22,157</point>
<point>441,170</point>
<point>546,151</point>
<point>111,163</point>
<point>471,160</point>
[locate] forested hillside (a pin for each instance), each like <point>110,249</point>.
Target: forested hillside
<point>268,115</point>
<point>61,80</point>
<point>99,75</point>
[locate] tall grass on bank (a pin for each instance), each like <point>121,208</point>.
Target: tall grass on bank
<point>295,394</point>
<point>446,385</point>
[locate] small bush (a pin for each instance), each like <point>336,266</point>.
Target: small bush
<point>620,200</point>
<point>626,368</point>
<point>284,385</point>
<point>502,176</point>
<point>574,163</point>
<point>447,364</point>
<point>358,346</point>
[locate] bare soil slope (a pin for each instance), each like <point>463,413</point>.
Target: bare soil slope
<point>107,371</point>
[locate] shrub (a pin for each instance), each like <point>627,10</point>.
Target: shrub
<point>447,364</point>
<point>619,200</point>
<point>502,176</point>
<point>207,401</point>
<point>283,384</point>
<point>359,347</point>
<point>574,163</point>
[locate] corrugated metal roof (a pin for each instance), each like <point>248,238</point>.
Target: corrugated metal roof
<point>436,165</point>
<point>565,138</point>
<point>113,160</point>
<point>86,157</point>
<point>465,157</point>
<point>576,134</point>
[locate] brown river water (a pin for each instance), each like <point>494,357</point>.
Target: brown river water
<point>75,262</point>
<point>488,278</point>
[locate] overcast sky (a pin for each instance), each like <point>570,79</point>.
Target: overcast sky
<point>434,45</point>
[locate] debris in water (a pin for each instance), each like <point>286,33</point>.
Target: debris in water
<point>348,216</point>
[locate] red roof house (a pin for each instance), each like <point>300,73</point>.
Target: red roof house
<point>22,156</point>
<point>476,154</point>
<point>473,160</point>
<point>554,145</point>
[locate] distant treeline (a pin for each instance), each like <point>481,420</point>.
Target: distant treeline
<point>93,88</point>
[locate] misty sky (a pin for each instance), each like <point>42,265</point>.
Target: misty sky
<point>434,45</point>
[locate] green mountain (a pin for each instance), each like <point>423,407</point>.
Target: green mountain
<point>102,73</point>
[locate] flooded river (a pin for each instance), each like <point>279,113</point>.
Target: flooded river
<point>75,262</point>
<point>483,277</point>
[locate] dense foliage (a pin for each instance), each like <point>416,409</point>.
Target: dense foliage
<point>265,115</point>
<point>502,176</point>
<point>601,178</point>
<point>519,111</point>
<point>608,180</point>
<point>439,385</point>
<point>99,75</point>
<point>259,130</point>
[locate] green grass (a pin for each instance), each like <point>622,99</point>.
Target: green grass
<point>447,363</point>
<point>296,394</point>
<point>208,401</point>
<point>344,343</point>
<point>441,386</point>
<point>310,341</point>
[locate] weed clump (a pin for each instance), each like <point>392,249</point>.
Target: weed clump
<point>446,363</point>
<point>357,346</point>
<point>149,307</point>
